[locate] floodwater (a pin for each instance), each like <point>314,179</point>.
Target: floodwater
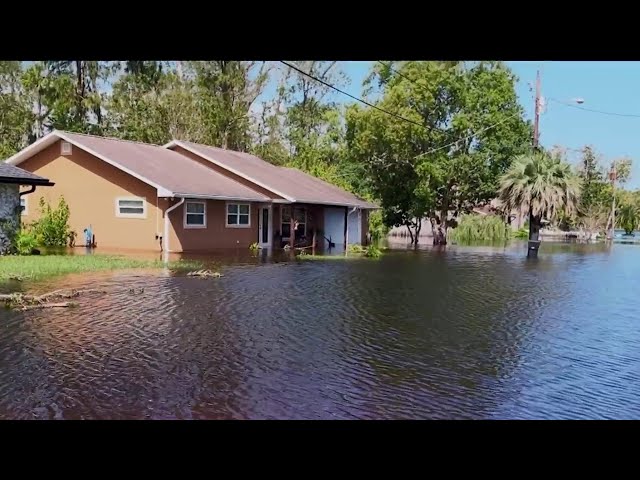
<point>465,333</point>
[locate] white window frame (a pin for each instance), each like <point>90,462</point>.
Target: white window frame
<point>306,219</point>
<point>132,215</point>
<point>226,215</point>
<point>184,209</point>
<point>25,210</point>
<point>68,150</point>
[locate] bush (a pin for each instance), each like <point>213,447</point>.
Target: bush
<point>254,247</point>
<point>480,228</point>
<point>355,248</point>
<point>372,252</point>
<point>377,229</point>
<point>25,242</point>
<point>52,229</point>
<point>521,233</point>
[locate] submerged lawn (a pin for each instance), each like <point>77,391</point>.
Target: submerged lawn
<point>41,266</point>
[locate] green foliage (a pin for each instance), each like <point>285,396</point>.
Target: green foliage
<point>254,247</point>
<point>355,248</point>
<point>628,217</point>
<point>52,229</point>
<point>25,242</point>
<point>521,233</point>
<point>540,183</point>
<point>423,168</point>
<point>16,117</point>
<point>372,251</point>
<point>595,185</point>
<point>377,229</point>
<point>480,228</point>
<point>42,266</point>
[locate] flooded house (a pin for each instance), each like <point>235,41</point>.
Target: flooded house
<point>187,197</point>
<point>13,200</point>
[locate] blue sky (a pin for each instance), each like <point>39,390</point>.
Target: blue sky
<point>605,86</point>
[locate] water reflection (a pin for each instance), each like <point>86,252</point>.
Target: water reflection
<point>432,333</point>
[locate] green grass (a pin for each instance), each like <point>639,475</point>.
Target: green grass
<point>41,266</point>
<point>353,252</point>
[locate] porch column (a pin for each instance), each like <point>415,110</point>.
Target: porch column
<point>270,227</point>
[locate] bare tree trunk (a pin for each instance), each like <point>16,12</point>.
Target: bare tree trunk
<point>408,225</point>
<point>534,227</point>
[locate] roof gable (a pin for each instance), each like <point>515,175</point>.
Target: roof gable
<point>292,184</point>
<point>169,172</point>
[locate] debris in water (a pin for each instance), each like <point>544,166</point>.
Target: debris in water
<point>204,274</point>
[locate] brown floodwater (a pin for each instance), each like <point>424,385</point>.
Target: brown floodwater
<point>461,333</point>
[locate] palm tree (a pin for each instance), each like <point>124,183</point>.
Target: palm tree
<point>541,184</point>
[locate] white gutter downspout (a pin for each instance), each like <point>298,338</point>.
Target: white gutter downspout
<point>346,237</point>
<point>165,240</point>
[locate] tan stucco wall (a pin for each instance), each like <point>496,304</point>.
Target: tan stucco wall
<point>90,187</point>
<point>216,234</point>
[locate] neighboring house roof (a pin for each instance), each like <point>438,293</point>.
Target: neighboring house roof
<point>289,183</point>
<point>171,173</point>
<point>15,175</point>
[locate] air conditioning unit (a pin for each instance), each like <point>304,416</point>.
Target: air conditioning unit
<point>65,148</point>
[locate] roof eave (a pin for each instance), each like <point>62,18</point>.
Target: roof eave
<point>55,135</point>
<point>26,181</point>
<point>201,196</point>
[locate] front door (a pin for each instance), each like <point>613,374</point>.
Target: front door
<point>263,227</point>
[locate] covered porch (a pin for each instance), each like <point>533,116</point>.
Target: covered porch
<point>304,225</point>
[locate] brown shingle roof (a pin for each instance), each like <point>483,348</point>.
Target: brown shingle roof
<point>290,183</point>
<point>164,168</point>
<point>11,174</point>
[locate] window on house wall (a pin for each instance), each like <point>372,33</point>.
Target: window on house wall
<point>195,214</point>
<point>238,215</point>
<point>131,207</point>
<point>23,206</point>
<point>299,214</point>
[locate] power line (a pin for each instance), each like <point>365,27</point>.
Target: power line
<point>469,136</point>
<point>388,65</point>
<point>615,114</point>
<point>326,84</point>
<point>398,116</point>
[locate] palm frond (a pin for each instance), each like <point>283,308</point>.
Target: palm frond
<point>541,184</point>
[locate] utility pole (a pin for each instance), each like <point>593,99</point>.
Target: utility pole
<point>534,229</point>
<point>613,178</point>
<point>536,121</point>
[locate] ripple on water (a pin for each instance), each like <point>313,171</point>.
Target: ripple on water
<point>427,334</point>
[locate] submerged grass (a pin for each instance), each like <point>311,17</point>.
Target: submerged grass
<point>353,252</point>
<point>42,266</point>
